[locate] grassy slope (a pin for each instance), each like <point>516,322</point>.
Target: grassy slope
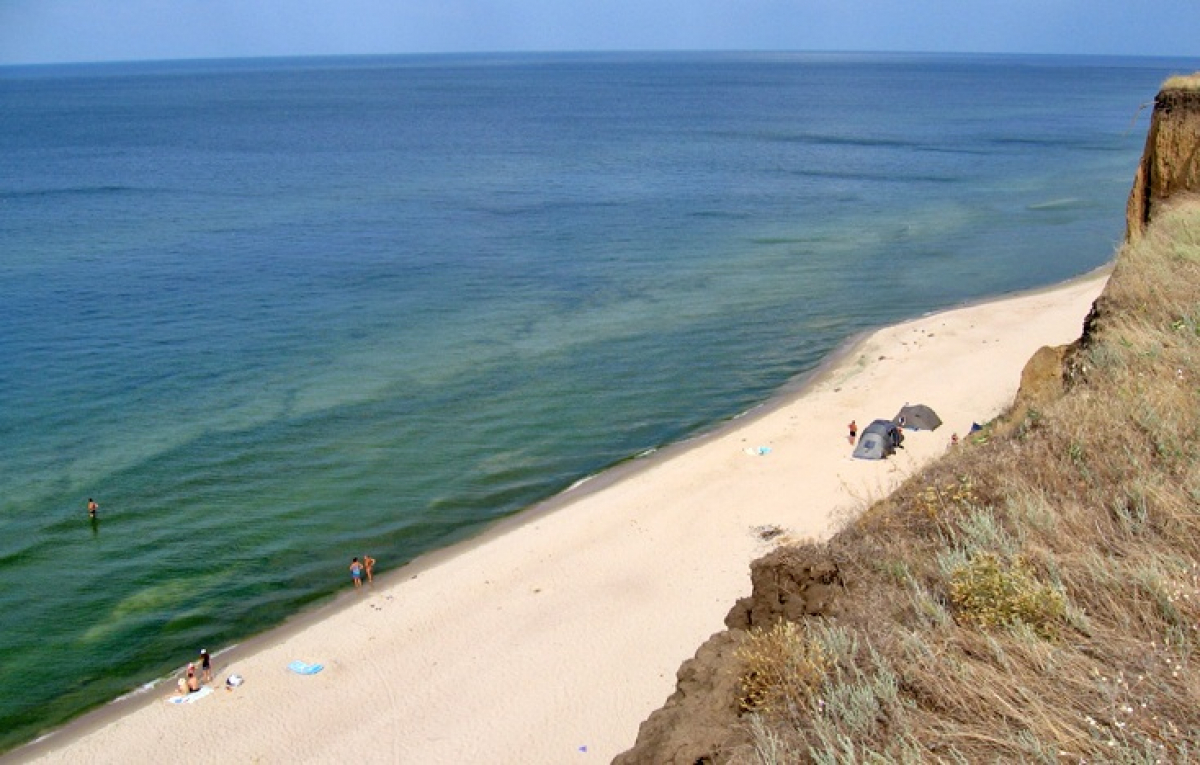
<point>1034,596</point>
<point>1182,82</point>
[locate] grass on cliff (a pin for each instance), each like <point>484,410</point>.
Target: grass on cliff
<point>1035,595</point>
<point>1182,82</point>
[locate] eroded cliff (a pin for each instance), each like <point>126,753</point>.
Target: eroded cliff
<point>1171,160</point>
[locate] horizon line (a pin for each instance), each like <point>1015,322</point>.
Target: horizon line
<point>590,52</point>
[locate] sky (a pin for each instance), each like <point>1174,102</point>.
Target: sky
<point>59,31</point>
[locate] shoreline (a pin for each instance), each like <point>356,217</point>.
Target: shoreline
<point>610,509</point>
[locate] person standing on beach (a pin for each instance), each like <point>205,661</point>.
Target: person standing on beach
<point>853,431</point>
<point>356,570</point>
<point>368,566</point>
<point>92,508</point>
<point>205,666</point>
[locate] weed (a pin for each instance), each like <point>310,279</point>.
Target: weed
<point>991,594</point>
<point>782,665</point>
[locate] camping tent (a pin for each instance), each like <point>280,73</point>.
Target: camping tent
<point>878,440</point>
<point>917,417</point>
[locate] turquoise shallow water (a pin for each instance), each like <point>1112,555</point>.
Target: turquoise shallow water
<point>273,314</point>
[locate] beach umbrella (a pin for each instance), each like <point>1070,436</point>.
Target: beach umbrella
<point>917,417</point>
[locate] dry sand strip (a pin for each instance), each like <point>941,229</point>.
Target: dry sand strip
<point>550,639</point>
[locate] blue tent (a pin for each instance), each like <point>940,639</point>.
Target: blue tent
<point>878,440</point>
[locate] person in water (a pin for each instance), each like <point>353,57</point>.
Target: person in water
<point>356,571</point>
<point>369,566</point>
<point>92,508</point>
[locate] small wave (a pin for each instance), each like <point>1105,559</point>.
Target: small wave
<point>826,139</point>
<point>958,150</point>
<point>140,690</point>
<point>720,214</point>
<point>875,177</point>
<point>542,208</point>
<point>1067,203</point>
<point>70,191</point>
<point>579,483</point>
<point>226,649</point>
<point>788,240</point>
<point>837,140</point>
<point>1056,142</point>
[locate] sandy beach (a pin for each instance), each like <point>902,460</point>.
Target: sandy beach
<point>550,638</point>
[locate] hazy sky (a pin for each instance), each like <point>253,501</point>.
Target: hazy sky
<point>38,31</point>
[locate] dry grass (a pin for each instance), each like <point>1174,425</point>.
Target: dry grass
<point>1034,596</point>
<point>782,665</point>
<point>1182,82</point>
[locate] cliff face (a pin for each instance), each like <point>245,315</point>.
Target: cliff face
<point>699,720</point>
<point>701,723</point>
<point>1170,162</point>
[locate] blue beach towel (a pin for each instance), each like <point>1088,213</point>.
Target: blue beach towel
<point>300,668</point>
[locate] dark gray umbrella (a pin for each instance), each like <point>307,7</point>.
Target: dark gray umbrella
<point>917,417</point>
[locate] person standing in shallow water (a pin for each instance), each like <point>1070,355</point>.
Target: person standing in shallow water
<point>92,508</point>
<point>369,567</point>
<point>356,571</point>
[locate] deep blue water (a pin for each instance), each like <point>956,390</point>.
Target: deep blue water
<point>273,314</point>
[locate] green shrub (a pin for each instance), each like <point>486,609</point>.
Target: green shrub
<point>990,594</point>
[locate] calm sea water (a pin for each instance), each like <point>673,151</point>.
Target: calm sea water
<point>274,314</point>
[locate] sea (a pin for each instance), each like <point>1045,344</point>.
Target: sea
<point>271,314</point>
